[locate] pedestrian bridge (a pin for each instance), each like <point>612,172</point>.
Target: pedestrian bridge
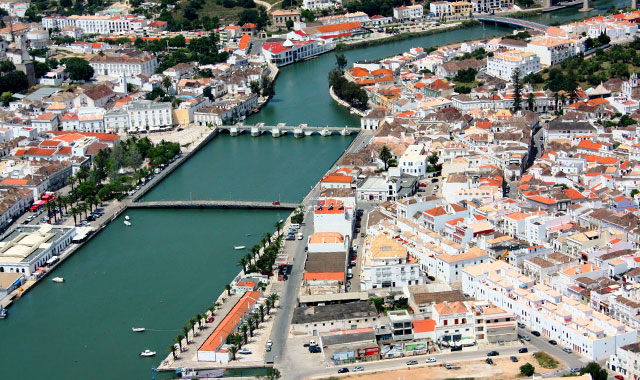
<point>215,204</point>
<point>283,129</point>
<point>513,22</point>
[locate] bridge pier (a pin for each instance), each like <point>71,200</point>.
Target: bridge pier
<point>634,4</point>
<point>275,132</point>
<point>298,132</point>
<point>546,4</point>
<point>345,132</point>
<point>325,132</point>
<point>585,6</point>
<point>234,131</point>
<point>255,131</point>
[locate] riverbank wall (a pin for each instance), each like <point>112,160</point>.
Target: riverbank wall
<point>345,104</point>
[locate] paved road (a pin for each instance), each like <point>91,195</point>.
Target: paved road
<point>542,344</point>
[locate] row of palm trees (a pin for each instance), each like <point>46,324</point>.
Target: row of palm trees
<point>252,323</point>
<point>71,205</point>
<point>190,326</point>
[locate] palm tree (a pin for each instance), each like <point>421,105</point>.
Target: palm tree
<point>212,309</point>
<point>274,297</point>
<point>193,322</point>
<point>264,242</point>
<point>256,249</point>
<point>233,349</point>
<point>244,329</point>
<point>72,181</point>
<point>243,263</point>
<point>278,225</point>
<point>178,339</point>
<point>251,327</point>
<point>268,305</point>
<point>261,313</point>
<point>185,330</point>
<point>228,289</point>
<point>200,317</point>
<point>172,349</point>
<point>74,212</point>
<point>268,237</point>
<point>385,156</point>
<point>556,98</point>
<point>65,199</point>
<point>563,99</point>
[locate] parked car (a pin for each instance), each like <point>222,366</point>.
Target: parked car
<point>315,350</point>
<point>521,325</point>
<point>493,353</point>
<point>412,362</point>
<point>245,351</point>
<point>275,203</point>
<point>536,333</point>
<point>312,343</point>
<point>553,342</point>
<point>527,338</point>
<point>268,349</point>
<point>574,370</point>
<point>343,370</point>
<point>210,319</point>
<point>358,369</point>
<point>567,350</point>
<point>489,361</point>
<point>514,359</point>
<point>431,360</point>
<point>447,366</point>
<point>619,377</point>
<point>523,350</point>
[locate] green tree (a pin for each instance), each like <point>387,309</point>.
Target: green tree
<point>634,192</point>
<point>178,339</point>
<point>233,349</point>
<point>289,24</point>
<point>254,85</point>
<point>278,225</point>
<point>78,69</point>
<point>307,15</point>
<point>341,62</point>
<point>228,289</point>
<point>531,101</point>
<point>6,98</point>
<point>14,82</point>
<point>385,156</point>
<point>596,372</point>
<point>172,350</point>
<point>272,374</point>
<point>517,90</point>
<point>185,331</point>
<point>527,369</point>
<point>166,83</point>
<point>6,66</point>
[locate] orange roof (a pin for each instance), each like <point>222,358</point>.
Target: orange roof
<point>339,27</point>
<point>330,206</point>
<point>40,152</point>
<point>338,178</point>
<point>250,284</point>
<point>359,72</point>
<point>230,322</point>
<point>244,42</point>
<point>542,199</point>
<point>50,143</point>
<point>381,72</point>
<point>424,325</point>
<point>579,269</point>
<point>324,276</point>
<point>600,159</point>
<point>597,101</point>
<point>109,137</point>
<point>14,181</point>
<point>589,145</point>
<point>573,194</point>
<point>47,116</point>
<point>517,215</point>
<point>64,151</point>
<point>326,238</point>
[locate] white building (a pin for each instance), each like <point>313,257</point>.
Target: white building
<point>139,116</point>
<point>212,116</point>
<point>553,50</point>
<point>286,52</point>
<point>571,323</point>
<point>449,267</point>
<point>123,65</point>
<point>413,161</point>
<point>313,5</point>
<point>408,12</point>
<point>96,24</point>
<point>28,248</point>
<point>332,215</point>
<point>386,263</point>
<point>503,65</point>
<point>440,8</point>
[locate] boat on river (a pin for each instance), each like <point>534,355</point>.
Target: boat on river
<point>126,217</point>
<point>138,329</point>
<point>238,247</point>
<point>3,312</point>
<point>147,353</point>
<point>58,279</point>
<point>127,223</point>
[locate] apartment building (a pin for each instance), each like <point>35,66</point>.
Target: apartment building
<point>553,50</point>
<point>127,65</point>
<point>96,24</point>
<point>571,323</point>
<point>313,5</point>
<point>139,116</point>
<point>408,12</point>
<point>503,65</point>
<point>413,161</point>
<point>386,263</point>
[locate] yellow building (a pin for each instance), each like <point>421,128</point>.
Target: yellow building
<point>461,8</point>
<point>182,116</point>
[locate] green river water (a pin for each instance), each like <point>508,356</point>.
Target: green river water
<point>171,264</point>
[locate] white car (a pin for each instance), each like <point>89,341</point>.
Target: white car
<point>431,360</point>
<point>358,369</point>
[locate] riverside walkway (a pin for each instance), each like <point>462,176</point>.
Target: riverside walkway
<point>214,204</point>
<point>283,129</point>
<point>514,22</point>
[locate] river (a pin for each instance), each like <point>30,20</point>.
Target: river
<point>171,264</point>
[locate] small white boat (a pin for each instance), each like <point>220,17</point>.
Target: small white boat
<point>148,353</point>
<point>126,217</point>
<point>138,329</point>
<point>238,247</point>
<point>58,279</point>
<point>127,223</point>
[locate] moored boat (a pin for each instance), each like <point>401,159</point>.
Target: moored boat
<point>127,223</point>
<point>147,353</point>
<point>58,279</point>
<point>238,247</point>
<point>3,312</point>
<point>138,329</point>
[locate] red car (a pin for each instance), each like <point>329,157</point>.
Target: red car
<point>619,377</point>
<point>275,203</point>
<point>210,319</point>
